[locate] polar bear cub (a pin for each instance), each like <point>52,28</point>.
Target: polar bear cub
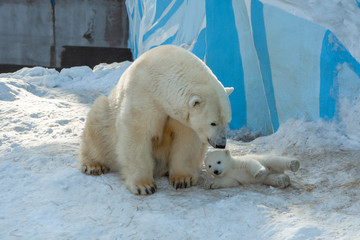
<point>229,171</point>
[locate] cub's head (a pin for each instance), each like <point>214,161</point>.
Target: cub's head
<point>208,116</point>
<point>217,163</point>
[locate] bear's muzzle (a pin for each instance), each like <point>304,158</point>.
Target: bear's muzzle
<point>218,143</point>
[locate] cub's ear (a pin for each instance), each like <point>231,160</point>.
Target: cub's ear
<point>195,101</point>
<point>229,90</point>
<point>227,152</point>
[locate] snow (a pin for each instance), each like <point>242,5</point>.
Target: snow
<point>44,196</point>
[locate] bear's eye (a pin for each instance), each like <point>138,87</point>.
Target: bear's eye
<point>209,166</point>
<point>213,124</point>
<point>219,162</point>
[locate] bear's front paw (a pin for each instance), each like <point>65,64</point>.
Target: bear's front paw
<point>94,169</point>
<point>181,181</point>
<point>142,187</point>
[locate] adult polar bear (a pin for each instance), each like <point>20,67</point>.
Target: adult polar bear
<point>157,120</point>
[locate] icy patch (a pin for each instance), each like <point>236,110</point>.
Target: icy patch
<point>350,117</point>
<point>35,72</point>
<point>244,134</point>
<point>76,73</point>
<point>38,75</point>
<point>11,89</point>
<point>6,93</point>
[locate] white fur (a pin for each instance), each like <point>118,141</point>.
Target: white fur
<point>157,120</point>
<point>228,171</point>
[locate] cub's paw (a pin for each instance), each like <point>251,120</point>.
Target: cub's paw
<point>294,165</point>
<point>142,187</point>
<point>260,173</point>
<point>181,181</point>
<point>283,181</point>
<point>94,169</point>
<point>212,184</point>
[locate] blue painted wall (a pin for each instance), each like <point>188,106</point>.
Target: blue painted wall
<point>333,54</point>
<point>280,65</point>
<point>224,59</point>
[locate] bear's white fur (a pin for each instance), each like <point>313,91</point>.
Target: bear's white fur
<point>228,171</point>
<point>158,120</point>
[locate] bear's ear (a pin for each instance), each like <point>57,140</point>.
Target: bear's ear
<point>195,101</point>
<point>229,90</point>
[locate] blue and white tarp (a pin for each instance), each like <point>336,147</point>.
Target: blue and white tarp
<point>280,65</point>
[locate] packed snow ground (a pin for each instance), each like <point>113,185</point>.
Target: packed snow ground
<point>44,196</point>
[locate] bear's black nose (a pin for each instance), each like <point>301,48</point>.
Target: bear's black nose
<point>220,146</point>
<point>217,172</point>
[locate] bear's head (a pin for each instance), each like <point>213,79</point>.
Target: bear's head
<point>208,116</point>
<point>217,163</point>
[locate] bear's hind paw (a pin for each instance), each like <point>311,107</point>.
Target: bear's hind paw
<point>294,165</point>
<point>94,169</point>
<point>283,181</point>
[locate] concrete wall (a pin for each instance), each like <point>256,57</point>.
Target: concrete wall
<point>27,36</point>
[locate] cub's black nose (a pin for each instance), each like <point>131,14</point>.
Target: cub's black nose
<point>217,172</point>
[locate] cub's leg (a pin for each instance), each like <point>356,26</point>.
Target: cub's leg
<point>222,182</point>
<point>253,167</point>
<point>96,151</point>
<point>280,163</point>
<point>186,156</point>
<point>277,180</point>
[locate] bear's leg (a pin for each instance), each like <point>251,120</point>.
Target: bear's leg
<point>277,180</point>
<point>136,162</point>
<point>222,182</point>
<point>280,163</point>
<point>96,150</point>
<point>186,156</point>
<point>253,167</point>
